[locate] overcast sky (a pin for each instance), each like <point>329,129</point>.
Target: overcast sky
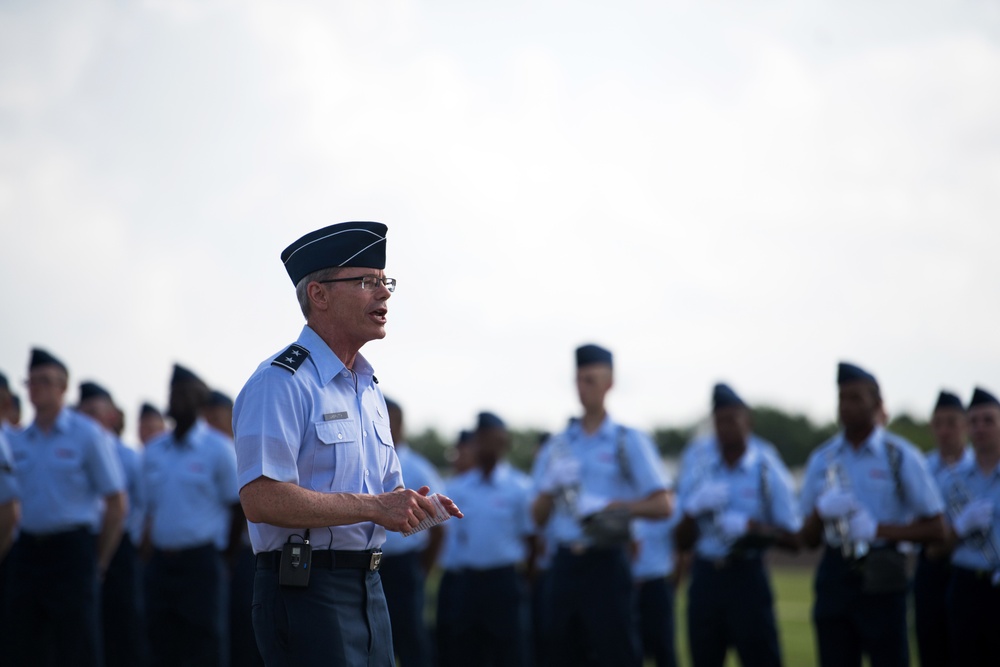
<point>714,190</point>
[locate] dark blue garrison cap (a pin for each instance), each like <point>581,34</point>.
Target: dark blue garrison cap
<point>182,374</point>
<point>344,244</point>
<point>982,397</point>
<point>40,357</point>
<point>216,399</point>
<point>850,373</point>
<point>592,354</point>
<point>946,399</point>
<point>723,396</point>
<point>148,409</point>
<point>488,420</point>
<point>93,390</point>
<point>3,382</point>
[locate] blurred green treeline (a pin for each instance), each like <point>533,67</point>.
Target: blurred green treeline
<point>795,436</point>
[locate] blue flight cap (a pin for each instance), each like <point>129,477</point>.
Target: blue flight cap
<point>182,374</point>
<point>982,397</point>
<point>93,390</point>
<point>723,396</point>
<point>359,244</point>
<point>40,357</point>
<point>148,410</point>
<point>850,373</point>
<point>592,354</point>
<point>3,382</point>
<point>488,420</point>
<point>464,438</point>
<point>946,399</point>
<point>216,399</point>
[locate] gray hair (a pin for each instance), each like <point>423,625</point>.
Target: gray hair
<point>302,294</point>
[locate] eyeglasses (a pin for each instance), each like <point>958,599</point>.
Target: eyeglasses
<point>369,282</point>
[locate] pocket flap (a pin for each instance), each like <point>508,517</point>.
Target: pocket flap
<point>333,432</point>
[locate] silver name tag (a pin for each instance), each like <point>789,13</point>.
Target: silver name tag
<point>334,416</point>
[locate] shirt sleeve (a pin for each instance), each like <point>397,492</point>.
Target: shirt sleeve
<point>784,511</point>
<point>229,489</point>
<point>268,423</point>
<point>812,484</point>
<point>922,493</point>
<point>646,469</point>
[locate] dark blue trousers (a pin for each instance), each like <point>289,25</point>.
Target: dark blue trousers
<point>186,594</point>
<point>340,620</point>
<point>53,613</point>
<point>123,610</point>
<point>730,605</point>
<point>850,623</point>
<point>592,619</point>
<point>655,607</point>
<point>242,643</point>
<point>974,615</point>
<point>930,598</point>
<point>403,583</point>
<point>448,599</point>
<point>491,628</point>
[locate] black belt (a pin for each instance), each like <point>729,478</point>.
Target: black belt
<point>48,538</point>
<point>329,559</point>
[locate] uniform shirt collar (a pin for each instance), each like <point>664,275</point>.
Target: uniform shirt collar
<point>873,444</point>
<point>746,462</point>
<point>498,474</point>
<point>607,428</point>
<point>327,364</point>
<point>192,437</point>
<point>60,425</point>
<point>969,468</point>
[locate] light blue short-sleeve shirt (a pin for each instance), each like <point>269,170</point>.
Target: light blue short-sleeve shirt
<point>866,473</point>
<point>964,483</point>
<point>602,473</point>
<point>323,427</point>
<point>417,472</point>
<point>497,519</point>
<point>132,467</point>
<point>190,487</point>
<point>8,483</point>
<point>759,486</point>
<point>65,473</point>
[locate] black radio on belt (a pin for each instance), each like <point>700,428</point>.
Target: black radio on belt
<point>296,563</point>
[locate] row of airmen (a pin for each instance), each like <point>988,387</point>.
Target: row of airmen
<point>597,587</point>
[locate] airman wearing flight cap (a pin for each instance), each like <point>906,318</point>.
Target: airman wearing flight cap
<point>74,506</point>
<point>592,479</point>
<point>151,423</point>
<point>190,478</point>
<point>933,574</point>
<point>317,464</point>
<point>737,501</point>
<point>865,491</point>
<point>972,492</point>
<point>121,590</point>
<point>497,541</point>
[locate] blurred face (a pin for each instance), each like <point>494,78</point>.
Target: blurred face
<point>858,405</point>
<point>984,427</point>
<point>46,387</point>
<point>187,399</point>
<point>359,315</point>
<point>732,426</point>
<point>220,417</point>
<point>490,445</point>
<point>592,384</point>
<point>150,426</point>
<point>101,410</point>
<point>949,428</point>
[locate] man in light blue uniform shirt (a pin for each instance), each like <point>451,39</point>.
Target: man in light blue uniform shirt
<point>597,474</point>
<point>316,462</point>
<point>121,607</point>
<point>972,492</point>
<point>190,477</point>
<point>407,560</point>
<point>74,506</point>
<point>737,501</point>
<point>497,541</point>
<point>865,491</point>
<point>933,574</point>
<point>10,503</point>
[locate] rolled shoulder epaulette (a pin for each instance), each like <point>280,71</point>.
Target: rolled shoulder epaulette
<point>291,358</point>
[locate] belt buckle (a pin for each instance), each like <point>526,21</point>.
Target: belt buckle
<point>375,561</point>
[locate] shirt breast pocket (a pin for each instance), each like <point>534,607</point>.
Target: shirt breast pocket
<point>384,435</point>
<point>336,460</point>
